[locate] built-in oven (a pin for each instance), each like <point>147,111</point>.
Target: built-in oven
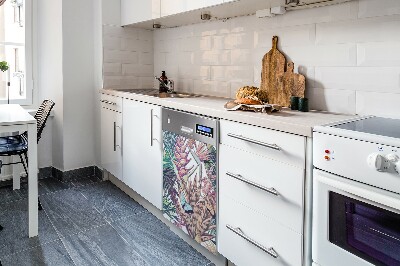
<point>354,223</point>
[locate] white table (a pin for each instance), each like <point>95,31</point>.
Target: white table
<point>14,118</point>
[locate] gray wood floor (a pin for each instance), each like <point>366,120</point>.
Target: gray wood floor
<point>87,222</point>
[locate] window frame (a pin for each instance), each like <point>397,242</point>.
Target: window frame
<point>29,57</point>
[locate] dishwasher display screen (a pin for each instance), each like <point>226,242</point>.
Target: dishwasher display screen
<point>203,130</point>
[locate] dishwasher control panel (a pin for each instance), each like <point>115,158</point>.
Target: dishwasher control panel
<point>205,130</point>
<point>193,126</point>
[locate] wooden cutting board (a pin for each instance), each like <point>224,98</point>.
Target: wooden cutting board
<point>292,84</point>
<point>273,68</point>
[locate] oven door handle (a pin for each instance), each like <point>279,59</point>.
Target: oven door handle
<point>369,193</point>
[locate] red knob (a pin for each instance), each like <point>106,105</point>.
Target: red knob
<point>327,151</point>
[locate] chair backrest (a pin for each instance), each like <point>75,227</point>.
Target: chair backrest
<point>41,116</point>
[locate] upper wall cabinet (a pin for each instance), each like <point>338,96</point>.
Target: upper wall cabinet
<point>172,7</point>
<point>174,13</point>
<point>135,11</point>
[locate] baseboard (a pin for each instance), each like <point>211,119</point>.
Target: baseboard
<point>51,171</point>
<point>77,173</point>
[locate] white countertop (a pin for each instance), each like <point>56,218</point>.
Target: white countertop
<point>13,114</point>
<point>299,123</point>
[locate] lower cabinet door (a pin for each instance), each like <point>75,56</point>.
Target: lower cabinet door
<point>111,138</point>
<point>142,146</point>
<point>249,238</point>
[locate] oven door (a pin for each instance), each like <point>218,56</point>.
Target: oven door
<point>353,223</point>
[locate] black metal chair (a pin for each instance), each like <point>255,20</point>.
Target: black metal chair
<point>18,145</point>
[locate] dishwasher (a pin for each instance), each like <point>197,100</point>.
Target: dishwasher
<point>190,174</point>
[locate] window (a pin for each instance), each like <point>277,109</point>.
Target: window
<point>16,49</point>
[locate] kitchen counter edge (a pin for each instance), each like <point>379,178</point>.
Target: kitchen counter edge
<point>294,122</point>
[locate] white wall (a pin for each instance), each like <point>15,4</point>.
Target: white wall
<point>78,83</point>
<point>66,75</point>
<point>349,53</point>
<point>50,78</point>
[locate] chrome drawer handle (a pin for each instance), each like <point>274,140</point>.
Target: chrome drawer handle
<point>267,145</point>
<point>239,232</point>
<point>239,177</point>
<point>108,102</point>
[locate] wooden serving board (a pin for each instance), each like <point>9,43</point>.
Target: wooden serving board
<point>292,84</point>
<point>273,68</point>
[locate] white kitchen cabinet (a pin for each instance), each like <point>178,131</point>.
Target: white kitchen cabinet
<point>134,11</point>
<point>192,5</point>
<point>111,138</point>
<point>261,186</point>
<point>142,145</point>
<point>172,7</point>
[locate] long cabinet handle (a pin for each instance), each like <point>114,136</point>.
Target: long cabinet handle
<point>267,145</point>
<point>115,136</point>
<point>151,127</point>
<point>270,251</point>
<point>108,102</point>
<point>241,178</point>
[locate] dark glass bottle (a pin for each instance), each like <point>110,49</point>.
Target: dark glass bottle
<point>163,78</point>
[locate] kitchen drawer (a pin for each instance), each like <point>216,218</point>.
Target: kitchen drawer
<point>286,244</point>
<point>274,144</point>
<point>111,102</point>
<point>267,186</point>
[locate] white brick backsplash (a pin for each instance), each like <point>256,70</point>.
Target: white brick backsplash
<point>184,85</point>
<point>209,28</point>
<point>244,40</point>
<point>137,70</point>
<point>380,104</point>
<point>251,22</point>
<point>112,82</point>
<point>374,8</point>
<point>116,56</point>
<point>349,53</point>
<point>111,43</point>
<point>214,88</point>
<point>222,57</point>
<point>381,29</point>
<point>145,35</point>
<point>145,82</point>
<point>195,72</point>
<point>231,73</point>
<point>288,36</point>
<point>378,79</point>
<point>128,60</point>
<point>160,59</point>
<point>218,42</point>
<point>129,81</point>
<point>137,45</point>
<point>196,43</point>
<point>112,69</point>
<point>185,58</point>
<point>322,55</point>
<point>339,101</point>
<point>146,58</point>
<point>382,54</point>
<point>240,57</point>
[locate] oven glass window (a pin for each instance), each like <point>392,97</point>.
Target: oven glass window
<point>367,231</point>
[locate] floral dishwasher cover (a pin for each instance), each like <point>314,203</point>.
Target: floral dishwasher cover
<point>190,187</point>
